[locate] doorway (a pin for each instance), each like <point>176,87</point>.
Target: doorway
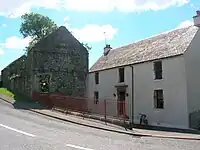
<point>121,102</point>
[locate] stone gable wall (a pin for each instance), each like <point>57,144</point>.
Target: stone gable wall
<point>61,56</point>
<point>67,67</point>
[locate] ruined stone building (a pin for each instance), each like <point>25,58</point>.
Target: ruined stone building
<point>14,74</point>
<point>57,63</point>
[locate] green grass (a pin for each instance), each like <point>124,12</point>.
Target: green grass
<point>6,92</point>
<point>16,95</point>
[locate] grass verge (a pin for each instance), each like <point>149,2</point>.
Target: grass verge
<point>15,95</point>
<point>6,92</point>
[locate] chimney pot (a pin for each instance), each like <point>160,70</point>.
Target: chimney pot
<point>198,12</point>
<point>197,19</point>
<point>107,46</point>
<point>107,49</point>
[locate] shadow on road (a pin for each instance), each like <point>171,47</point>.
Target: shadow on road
<point>28,105</point>
<point>24,102</point>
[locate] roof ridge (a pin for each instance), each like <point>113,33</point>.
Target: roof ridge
<point>163,45</point>
<point>153,36</point>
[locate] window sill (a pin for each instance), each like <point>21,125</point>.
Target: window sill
<point>157,80</point>
<point>117,82</point>
<point>158,109</point>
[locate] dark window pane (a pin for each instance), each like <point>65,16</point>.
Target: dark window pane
<point>96,97</point>
<point>121,74</point>
<point>158,69</point>
<point>158,99</point>
<point>97,78</point>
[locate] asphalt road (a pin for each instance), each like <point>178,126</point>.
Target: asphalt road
<point>24,130</point>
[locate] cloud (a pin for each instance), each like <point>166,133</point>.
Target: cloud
<point>14,42</point>
<point>94,33</point>
<point>121,5</point>
<point>91,32</point>
<point>3,25</point>
<point>66,21</point>
<point>1,52</point>
<point>195,5</point>
<point>17,12</point>
<point>185,24</point>
<point>16,8</point>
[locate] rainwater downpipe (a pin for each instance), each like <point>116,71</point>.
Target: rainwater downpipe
<point>132,92</point>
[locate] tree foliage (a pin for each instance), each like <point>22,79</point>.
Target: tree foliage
<point>36,26</point>
<point>87,46</point>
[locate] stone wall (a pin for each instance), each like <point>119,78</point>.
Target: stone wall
<point>65,60</point>
<point>60,56</point>
<point>4,77</point>
<point>13,74</point>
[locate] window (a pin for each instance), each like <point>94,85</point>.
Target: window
<point>44,83</point>
<point>97,78</point>
<point>158,69</point>
<point>96,97</point>
<point>158,99</point>
<point>121,74</point>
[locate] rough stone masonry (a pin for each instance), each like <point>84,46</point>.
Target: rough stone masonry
<point>57,63</point>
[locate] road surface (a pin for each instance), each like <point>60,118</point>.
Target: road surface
<point>24,130</point>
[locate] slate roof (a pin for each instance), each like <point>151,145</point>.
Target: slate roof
<point>164,45</point>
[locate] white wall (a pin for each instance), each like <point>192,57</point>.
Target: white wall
<point>192,61</point>
<point>175,113</point>
<point>106,87</point>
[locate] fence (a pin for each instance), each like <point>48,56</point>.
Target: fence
<point>105,108</point>
<point>109,108</point>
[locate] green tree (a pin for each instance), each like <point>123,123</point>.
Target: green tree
<point>36,26</point>
<point>87,46</point>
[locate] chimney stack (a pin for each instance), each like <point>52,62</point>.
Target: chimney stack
<point>107,49</point>
<point>197,19</point>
